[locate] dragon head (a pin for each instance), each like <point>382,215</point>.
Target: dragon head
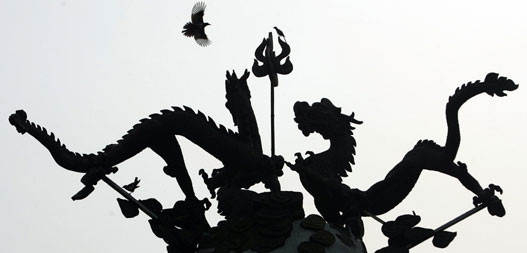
<point>237,93</point>
<point>497,85</point>
<point>19,120</point>
<point>324,118</point>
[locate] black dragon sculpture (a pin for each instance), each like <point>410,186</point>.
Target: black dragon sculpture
<point>321,174</point>
<point>274,220</point>
<point>240,152</point>
<point>236,150</point>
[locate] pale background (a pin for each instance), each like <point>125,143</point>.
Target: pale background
<point>89,70</point>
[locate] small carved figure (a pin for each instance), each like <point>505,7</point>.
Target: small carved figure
<point>133,185</point>
<point>196,28</point>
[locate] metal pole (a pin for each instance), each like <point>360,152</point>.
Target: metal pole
<point>272,121</point>
<point>129,197</point>
<point>375,217</point>
<point>451,223</point>
<point>460,218</point>
<point>273,77</point>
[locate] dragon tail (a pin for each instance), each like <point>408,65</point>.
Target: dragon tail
<point>492,85</point>
<point>159,126</point>
<point>64,157</point>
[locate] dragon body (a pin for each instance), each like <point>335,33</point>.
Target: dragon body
<point>244,163</point>
<point>321,173</point>
<point>146,134</point>
<point>158,131</point>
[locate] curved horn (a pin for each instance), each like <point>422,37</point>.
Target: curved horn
<point>352,119</point>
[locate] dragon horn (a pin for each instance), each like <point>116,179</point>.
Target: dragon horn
<point>352,119</point>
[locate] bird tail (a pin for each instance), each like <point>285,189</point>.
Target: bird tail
<point>188,29</point>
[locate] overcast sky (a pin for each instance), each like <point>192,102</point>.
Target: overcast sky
<point>89,70</point>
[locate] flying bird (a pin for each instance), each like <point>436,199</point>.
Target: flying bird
<point>196,28</point>
<point>132,186</point>
<point>280,33</point>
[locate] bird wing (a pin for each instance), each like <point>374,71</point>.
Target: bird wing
<point>202,40</point>
<point>188,29</point>
<point>197,13</point>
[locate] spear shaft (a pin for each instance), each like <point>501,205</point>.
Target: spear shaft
<point>272,122</point>
<point>129,197</point>
<point>451,223</point>
<point>439,229</point>
<point>460,218</point>
<point>274,82</point>
<point>271,67</point>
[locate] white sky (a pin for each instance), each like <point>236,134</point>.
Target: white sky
<point>89,70</point>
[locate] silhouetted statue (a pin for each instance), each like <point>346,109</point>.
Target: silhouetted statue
<point>274,220</point>
<point>196,28</point>
<point>133,185</point>
<point>321,174</point>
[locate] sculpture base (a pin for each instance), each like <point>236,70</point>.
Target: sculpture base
<point>275,222</point>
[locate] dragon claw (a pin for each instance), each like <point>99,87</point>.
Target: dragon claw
<point>299,156</point>
<point>493,203</point>
<point>496,188</point>
<point>293,167</point>
<point>298,161</point>
<point>462,164</point>
<point>206,180</point>
<point>206,203</point>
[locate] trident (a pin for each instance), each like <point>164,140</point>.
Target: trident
<point>271,67</point>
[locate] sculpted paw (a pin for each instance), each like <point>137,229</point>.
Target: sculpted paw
<point>206,180</point>
<point>298,162</point>
<point>487,197</point>
<point>496,188</point>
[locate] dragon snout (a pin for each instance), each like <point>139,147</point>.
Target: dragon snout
<point>18,120</point>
